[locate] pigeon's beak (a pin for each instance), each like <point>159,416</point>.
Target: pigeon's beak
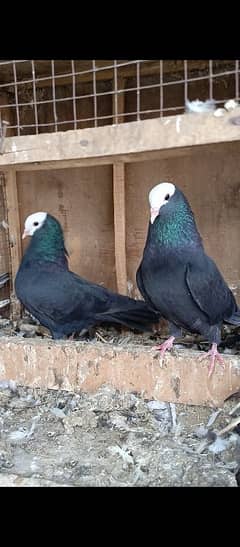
<point>154,213</point>
<point>25,234</point>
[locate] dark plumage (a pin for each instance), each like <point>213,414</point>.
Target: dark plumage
<point>61,300</point>
<point>177,278</point>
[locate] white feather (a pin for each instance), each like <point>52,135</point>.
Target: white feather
<point>159,196</point>
<point>219,112</point>
<point>158,193</point>
<point>197,107</point>
<point>230,105</point>
<point>34,222</point>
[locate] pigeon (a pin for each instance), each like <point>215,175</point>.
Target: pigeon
<point>61,300</point>
<point>176,277</point>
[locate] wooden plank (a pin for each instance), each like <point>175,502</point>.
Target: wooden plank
<point>14,235</point>
<point>86,367</point>
<point>108,160</point>
<point>145,136</point>
<point>120,226</point>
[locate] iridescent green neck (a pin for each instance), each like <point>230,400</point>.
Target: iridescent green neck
<point>48,242</point>
<point>177,229</point>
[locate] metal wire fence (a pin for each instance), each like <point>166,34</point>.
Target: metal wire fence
<point>51,95</point>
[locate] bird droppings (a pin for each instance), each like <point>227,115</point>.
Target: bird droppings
<point>4,224</point>
<point>52,438</point>
<point>178,121</point>
<point>176,384</point>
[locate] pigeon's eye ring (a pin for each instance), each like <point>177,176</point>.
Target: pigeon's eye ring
<point>36,223</point>
<point>167,197</point>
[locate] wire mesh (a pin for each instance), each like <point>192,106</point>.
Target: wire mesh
<point>52,95</point>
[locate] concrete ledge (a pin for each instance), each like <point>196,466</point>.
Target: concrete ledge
<point>110,142</point>
<point>86,366</point>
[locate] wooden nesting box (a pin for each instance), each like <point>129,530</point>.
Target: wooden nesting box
<point>96,180</point>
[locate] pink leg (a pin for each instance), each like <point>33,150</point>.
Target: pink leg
<point>168,344</point>
<point>213,353</point>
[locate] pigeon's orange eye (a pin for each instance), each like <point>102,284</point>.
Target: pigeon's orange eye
<point>35,223</point>
<point>167,197</point>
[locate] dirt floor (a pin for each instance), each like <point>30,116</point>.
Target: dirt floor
<point>57,438</point>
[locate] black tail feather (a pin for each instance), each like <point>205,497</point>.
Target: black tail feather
<point>234,319</point>
<point>135,315</point>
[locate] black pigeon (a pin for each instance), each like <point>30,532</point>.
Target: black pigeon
<point>61,300</point>
<point>176,277</point>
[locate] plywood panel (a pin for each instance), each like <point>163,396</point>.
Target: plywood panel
<point>211,182</point>
<point>82,201</point>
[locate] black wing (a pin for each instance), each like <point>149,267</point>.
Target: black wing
<point>60,296</point>
<point>209,290</point>
<point>143,291</point>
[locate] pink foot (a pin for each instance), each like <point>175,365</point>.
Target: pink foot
<point>168,344</point>
<point>213,353</point>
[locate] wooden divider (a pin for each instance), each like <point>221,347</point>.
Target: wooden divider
<point>120,226</point>
<point>14,235</point>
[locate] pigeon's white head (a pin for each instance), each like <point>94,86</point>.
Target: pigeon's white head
<point>33,222</point>
<point>159,196</point>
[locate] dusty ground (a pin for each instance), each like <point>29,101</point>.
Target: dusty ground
<point>56,438</point>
